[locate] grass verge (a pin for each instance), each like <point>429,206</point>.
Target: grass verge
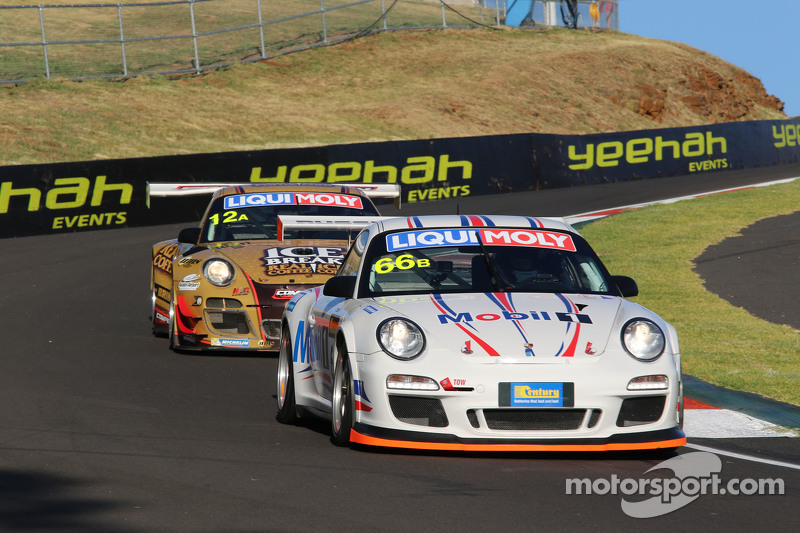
<point>720,343</point>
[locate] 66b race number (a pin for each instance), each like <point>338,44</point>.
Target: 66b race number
<point>401,262</point>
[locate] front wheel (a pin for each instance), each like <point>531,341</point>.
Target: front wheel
<point>287,410</point>
<point>155,324</point>
<point>158,327</point>
<point>343,403</point>
<point>173,336</point>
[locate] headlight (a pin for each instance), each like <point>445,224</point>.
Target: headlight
<point>643,339</point>
<point>403,382</point>
<point>401,338</point>
<point>218,272</point>
<point>659,382</point>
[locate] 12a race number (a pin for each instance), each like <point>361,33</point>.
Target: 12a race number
<point>228,217</point>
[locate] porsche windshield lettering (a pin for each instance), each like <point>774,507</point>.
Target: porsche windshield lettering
<point>488,237</point>
<point>228,217</point>
<point>289,198</point>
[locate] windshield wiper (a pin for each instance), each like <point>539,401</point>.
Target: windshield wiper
<point>489,266</point>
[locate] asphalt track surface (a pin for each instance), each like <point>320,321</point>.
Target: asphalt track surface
<point>103,428</point>
<point>758,270</point>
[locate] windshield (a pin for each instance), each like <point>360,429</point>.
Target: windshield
<point>490,260</point>
<point>255,216</point>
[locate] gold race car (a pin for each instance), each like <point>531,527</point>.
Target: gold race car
<point>224,284</point>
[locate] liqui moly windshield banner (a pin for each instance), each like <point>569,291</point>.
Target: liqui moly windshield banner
<point>290,198</point>
<point>409,240</point>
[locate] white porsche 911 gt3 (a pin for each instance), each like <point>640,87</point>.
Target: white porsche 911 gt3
<point>484,333</point>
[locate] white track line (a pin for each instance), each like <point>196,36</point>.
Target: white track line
<point>728,424</point>
<point>742,456</point>
<point>593,215</point>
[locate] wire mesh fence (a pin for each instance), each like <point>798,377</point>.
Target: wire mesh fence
<point>129,38</point>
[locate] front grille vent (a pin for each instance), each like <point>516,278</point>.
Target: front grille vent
<point>534,419</point>
<point>472,416</point>
<point>228,322</point>
<point>223,303</point>
<point>594,418</point>
<point>271,329</point>
<point>641,410</point>
<point>419,411</point>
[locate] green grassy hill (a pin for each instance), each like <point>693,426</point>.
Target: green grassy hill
<point>391,86</point>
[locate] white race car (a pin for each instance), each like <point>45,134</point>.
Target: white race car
<point>480,333</point>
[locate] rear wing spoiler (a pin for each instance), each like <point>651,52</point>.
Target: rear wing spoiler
<point>164,190</point>
<point>317,223</point>
<point>333,223</point>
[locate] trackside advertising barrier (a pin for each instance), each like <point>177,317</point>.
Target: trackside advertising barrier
<point>105,194</point>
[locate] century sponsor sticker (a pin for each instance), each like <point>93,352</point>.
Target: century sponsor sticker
<point>408,240</point>
<point>536,394</point>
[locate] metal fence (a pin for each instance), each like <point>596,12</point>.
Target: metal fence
<point>127,38</point>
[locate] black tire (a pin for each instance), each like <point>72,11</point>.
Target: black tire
<point>342,402</point>
<point>155,326</point>
<point>287,404</point>
<point>153,302</point>
<point>158,328</point>
<point>173,337</point>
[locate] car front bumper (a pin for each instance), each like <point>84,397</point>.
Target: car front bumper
<point>598,412</point>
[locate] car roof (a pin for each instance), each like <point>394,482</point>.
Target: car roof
<point>470,221</point>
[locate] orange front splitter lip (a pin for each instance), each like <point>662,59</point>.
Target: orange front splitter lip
<point>358,438</point>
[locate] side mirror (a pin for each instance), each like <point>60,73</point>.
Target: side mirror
<point>189,236</point>
<point>340,286</point>
<point>627,286</point>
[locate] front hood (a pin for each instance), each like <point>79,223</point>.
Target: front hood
<point>281,262</point>
<point>512,326</point>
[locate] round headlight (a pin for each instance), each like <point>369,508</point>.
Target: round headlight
<point>643,339</point>
<point>401,338</point>
<point>218,272</point>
